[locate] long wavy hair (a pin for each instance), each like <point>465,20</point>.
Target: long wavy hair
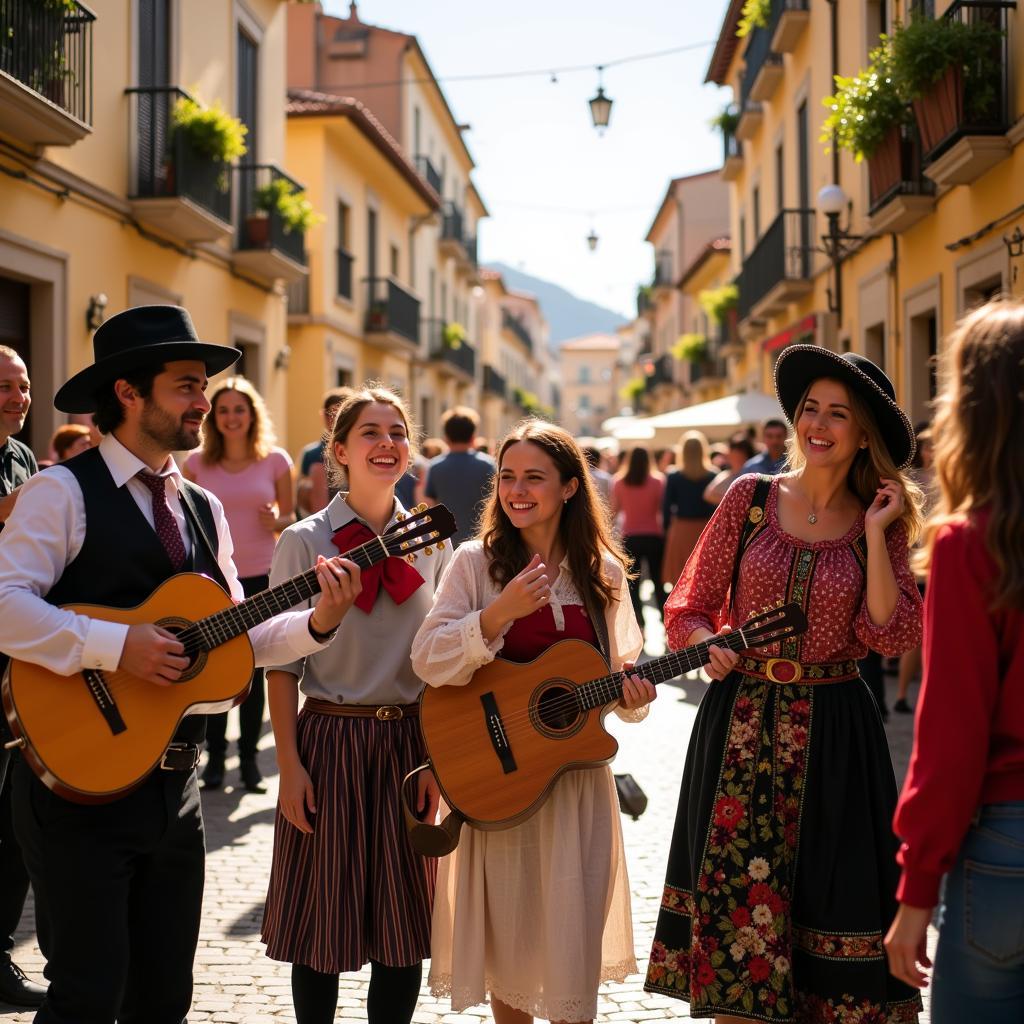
<point>870,464</point>
<point>978,439</point>
<point>637,469</point>
<point>261,430</point>
<point>345,419</point>
<point>582,527</point>
<point>693,455</point>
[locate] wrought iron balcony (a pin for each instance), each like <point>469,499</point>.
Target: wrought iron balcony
<point>452,231</point>
<point>778,270</point>
<point>644,302</point>
<point>900,193</point>
<point>343,286</point>
<point>732,156</point>
<point>175,187</point>
<point>459,357</point>
<point>763,68</point>
<point>391,310</point>
<point>469,244</point>
<point>663,372</point>
<point>46,71</point>
<point>266,245</point>
<point>788,20</point>
<point>429,171</point>
<point>662,269</point>
<point>494,382</point>
<point>517,327</point>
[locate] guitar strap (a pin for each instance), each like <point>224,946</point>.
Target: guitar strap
<point>198,528</point>
<point>752,526</point>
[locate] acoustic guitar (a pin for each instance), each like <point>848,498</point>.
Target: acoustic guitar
<point>94,736</point>
<point>498,744</point>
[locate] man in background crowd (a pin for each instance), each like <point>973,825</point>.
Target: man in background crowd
<point>313,491</point>
<point>461,478</point>
<point>17,464</point>
<point>774,434</point>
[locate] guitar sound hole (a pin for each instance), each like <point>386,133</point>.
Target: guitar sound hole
<point>557,708</point>
<point>197,660</point>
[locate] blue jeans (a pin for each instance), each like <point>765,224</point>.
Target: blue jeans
<point>979,964</point>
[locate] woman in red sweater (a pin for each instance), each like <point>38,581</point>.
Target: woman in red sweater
<point>962,810</point>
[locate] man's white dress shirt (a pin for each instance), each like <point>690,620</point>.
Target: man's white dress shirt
<point>45,533</point>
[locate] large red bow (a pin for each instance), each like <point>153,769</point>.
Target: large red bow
<point>400,579</point>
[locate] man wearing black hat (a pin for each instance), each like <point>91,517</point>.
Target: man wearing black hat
<point>119,885</point>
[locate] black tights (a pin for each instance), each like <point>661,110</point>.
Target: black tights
<point>391,999</point>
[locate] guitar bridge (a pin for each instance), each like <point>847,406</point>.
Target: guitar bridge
<point>496,731</point>
<point>104,700</point>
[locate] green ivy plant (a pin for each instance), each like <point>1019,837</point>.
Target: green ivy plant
<point>632,390</point>
<point>755,14</point>
<point>926,48</point>
<point>453,335</point>
<point>726,121</point>
<point>866,106</point>
<point>691,348</point>
<point>280,196</point>
<point>211,131</point>
<point>718,302</point>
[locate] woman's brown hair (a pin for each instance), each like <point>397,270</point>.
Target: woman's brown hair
<point>870,464</point>
<point>978,439</point>
<point>638,468</point>
<point>583,527</point>
<point>693,455</point>
<point>261,431</point>
<point>345,419</point>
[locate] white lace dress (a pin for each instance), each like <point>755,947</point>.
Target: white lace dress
<point>537,915</point>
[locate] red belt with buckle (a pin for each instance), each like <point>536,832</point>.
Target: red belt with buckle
<point>786,671</point>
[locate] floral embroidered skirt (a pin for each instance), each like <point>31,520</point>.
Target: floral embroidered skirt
<point>782,872</point>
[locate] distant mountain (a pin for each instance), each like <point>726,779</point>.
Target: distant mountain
<point>568,316</point>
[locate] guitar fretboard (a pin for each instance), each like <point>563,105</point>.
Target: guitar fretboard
<point>598,692</point>
<point>222,626</point>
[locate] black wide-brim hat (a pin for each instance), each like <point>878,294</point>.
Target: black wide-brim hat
<point>134,338</point>
<point>800,365</point>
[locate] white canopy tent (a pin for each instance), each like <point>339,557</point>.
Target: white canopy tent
<point>717,419</point>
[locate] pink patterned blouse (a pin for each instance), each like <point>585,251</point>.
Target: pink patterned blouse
<point>839,625</point>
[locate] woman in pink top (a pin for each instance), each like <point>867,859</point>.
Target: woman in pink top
<point>637,494</point>
<point>253,480</point>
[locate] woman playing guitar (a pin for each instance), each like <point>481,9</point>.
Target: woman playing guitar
<point>537,915</point>
<point>345,884</point>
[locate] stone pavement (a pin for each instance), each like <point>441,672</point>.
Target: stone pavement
<point>237,984</point>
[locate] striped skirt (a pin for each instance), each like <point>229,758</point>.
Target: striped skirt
<point>354,890</point>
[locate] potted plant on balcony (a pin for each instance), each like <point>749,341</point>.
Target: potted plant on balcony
<point>633,390</point>
<point>718,303</point>
<point>726,120</point>
<point>281,198</point>
<point>38,37</point>
<point>755,14</point>
<point>950,70</point>
<point>453,335</point>
<point>212,134</point>
<point>691,348</point>
<point>867,112</point>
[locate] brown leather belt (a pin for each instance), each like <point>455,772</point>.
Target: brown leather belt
<point>788,672</point>
<point>382,712</point>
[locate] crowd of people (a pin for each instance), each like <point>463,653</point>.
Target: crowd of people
<point>799,885</point>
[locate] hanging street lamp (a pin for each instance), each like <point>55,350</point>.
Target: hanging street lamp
<point>600,106</point>
<point>592,240</point>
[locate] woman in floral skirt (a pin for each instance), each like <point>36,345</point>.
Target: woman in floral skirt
<point>781,876</point>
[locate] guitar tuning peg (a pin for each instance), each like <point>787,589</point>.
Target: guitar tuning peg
<point>421,507</point>
<point>400,517</point>
<point>410,558</point>
<point>440,545</point>
<point>428,550</point>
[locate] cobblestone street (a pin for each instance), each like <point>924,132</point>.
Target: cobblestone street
<point>237,984</point>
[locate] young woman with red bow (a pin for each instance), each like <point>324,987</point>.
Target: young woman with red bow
<point>345,884</point>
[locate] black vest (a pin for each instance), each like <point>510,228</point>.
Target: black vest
<point>122,560</point>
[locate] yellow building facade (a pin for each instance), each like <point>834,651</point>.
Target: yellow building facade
<point>917,248</point>
<point>104,206</point>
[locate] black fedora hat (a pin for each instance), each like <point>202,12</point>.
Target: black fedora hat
<point>800,365</point>
<point>135,338</point>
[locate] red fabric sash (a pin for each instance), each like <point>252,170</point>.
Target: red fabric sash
<point>400,579</point>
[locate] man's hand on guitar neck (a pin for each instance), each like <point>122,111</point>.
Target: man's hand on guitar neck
<point>153,654</point>
<point>340,585</point>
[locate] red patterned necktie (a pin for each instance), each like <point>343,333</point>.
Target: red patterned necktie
<point>400,579</point>
<point>163,519</point>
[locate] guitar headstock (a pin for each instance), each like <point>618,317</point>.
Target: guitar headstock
<point>420,528</point>
<point>774,624</point>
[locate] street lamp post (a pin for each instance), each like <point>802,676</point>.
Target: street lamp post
<point>600,106</point>
<point>838,243</point>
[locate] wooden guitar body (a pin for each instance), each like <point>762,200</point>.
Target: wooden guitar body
<point>498,744</point>
<point>87,733</point>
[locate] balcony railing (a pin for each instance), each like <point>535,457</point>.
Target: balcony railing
<point>983,106</point>
<point>48,47</point>
<point>757,57</point>
<point>451,227</point>
<point>895,169</point>
<point>469,244</point>
<point>429,171</point>
<point>461,356</point>
<point>517,327</point>
<point>782,254</point>
<point>787,23</point>
<point>662,269</point>
<point>390,308</point>
<point>644,302</point>
<point>344,283</point>
<point>166,162</point>
<point>662,372</point>
<point>731,148</point>
<point>265,229</point>
<point>494,382</point>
